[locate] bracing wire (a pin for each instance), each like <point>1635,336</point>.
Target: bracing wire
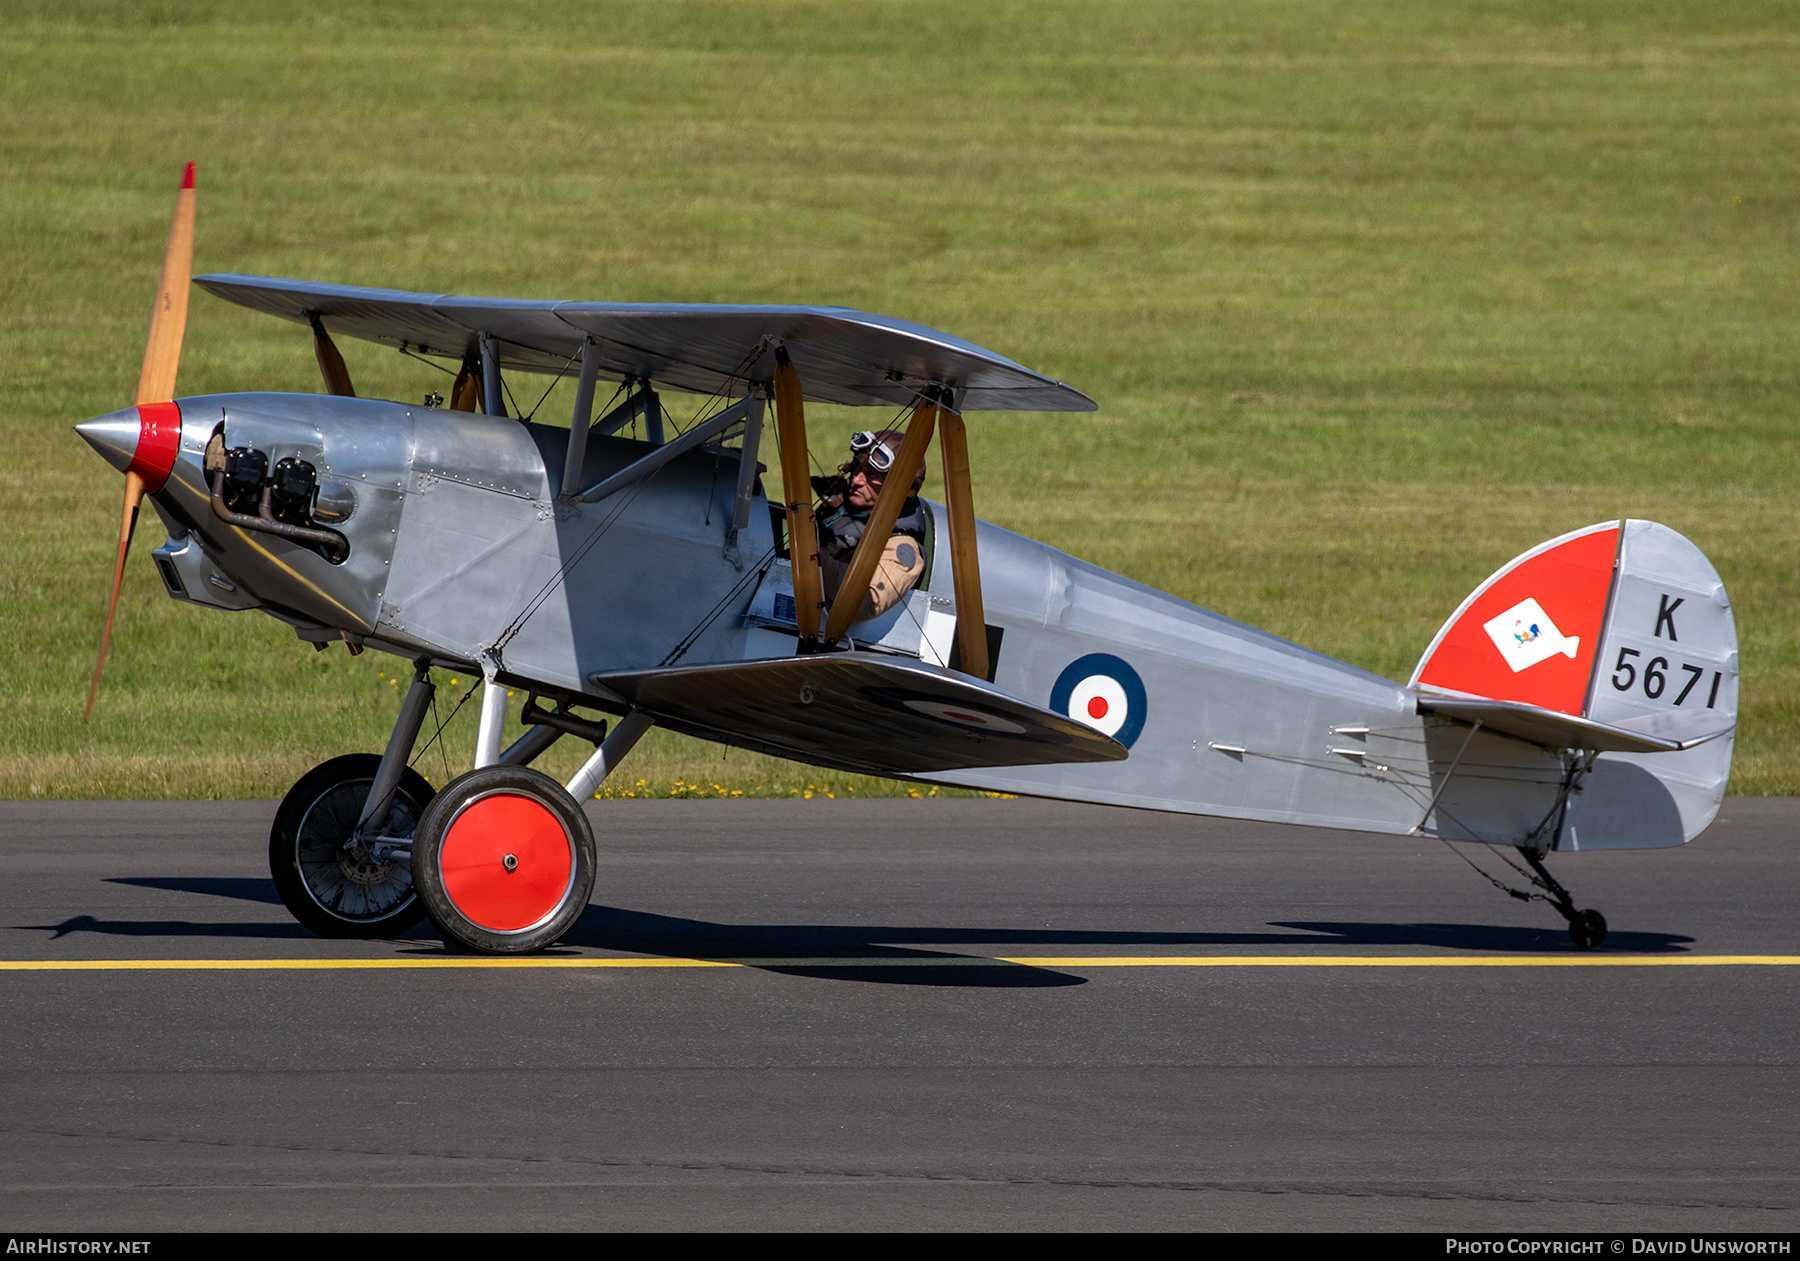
<point>532,605</point>
<point>507,389</point>
<point>560,374</point>
<point>429,363</point>
<point>752,574</point>
<point>442,723</point>
<point>626,499</point>
<point>1520,894</point>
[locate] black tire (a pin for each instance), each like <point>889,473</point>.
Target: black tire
<point>1587,929</point>
<point>504,860</point>
<point>335,892</point>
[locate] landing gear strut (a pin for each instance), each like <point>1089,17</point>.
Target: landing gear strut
<point>502,859</point>
<point>1587,928</point>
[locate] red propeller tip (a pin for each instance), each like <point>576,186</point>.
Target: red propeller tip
<point>187,176</point>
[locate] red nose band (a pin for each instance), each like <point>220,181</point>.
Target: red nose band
<point>159,440</point>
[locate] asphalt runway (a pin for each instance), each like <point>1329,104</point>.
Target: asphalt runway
<point>1196,1031</point>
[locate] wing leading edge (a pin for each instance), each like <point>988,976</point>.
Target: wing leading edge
<point>843,355</point>
<point>861,712</point>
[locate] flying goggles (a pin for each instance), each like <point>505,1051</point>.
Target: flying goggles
<point>872,451</point>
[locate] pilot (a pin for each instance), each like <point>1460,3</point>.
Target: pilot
<point>844,506</point>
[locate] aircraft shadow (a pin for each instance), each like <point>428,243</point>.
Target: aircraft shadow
<point>808,949</point>
<point>243,888</point>
<point>167,928</point>
<point>1549,939</point>
<point>236,888</point>
<point>823,952</point>
<point>884,954</point>
<point>614,928</point>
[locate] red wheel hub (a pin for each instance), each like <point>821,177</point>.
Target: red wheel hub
<point>499,895</point>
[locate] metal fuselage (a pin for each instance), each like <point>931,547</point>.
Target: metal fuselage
<point>460,551</point>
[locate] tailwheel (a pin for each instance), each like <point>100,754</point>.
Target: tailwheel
<point>1587,929</point>
<point>504,860</point>
<point>328,878</point>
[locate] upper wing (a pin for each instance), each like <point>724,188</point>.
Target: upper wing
<point>843,355</point>
<point>862,712</point>
<point>1666,732</point>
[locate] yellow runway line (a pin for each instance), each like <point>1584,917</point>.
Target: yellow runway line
<point>291,965</point>
<point>1403,961</point>
<point>1034,961</point>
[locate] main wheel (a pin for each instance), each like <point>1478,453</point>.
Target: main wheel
<point>1588,929</point>
<point>504,858</point>
<point>329,884</point>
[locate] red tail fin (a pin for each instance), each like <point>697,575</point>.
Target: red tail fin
<point>1530,633</point>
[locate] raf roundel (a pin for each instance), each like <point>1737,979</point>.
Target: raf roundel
<point>1103,692</point>
<point>965,716</point>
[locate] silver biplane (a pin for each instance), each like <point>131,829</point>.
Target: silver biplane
<point>1584,697</point>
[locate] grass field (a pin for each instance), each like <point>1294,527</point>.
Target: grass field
<point>1373,296</point>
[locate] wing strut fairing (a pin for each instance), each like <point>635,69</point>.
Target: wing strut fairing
<point>860,711</point>
<point>796,482</point>
<point>843,355</point>
<point>894,492</point>
<point>965,562</point>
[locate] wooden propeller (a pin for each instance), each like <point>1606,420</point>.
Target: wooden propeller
<point>156,383</point>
